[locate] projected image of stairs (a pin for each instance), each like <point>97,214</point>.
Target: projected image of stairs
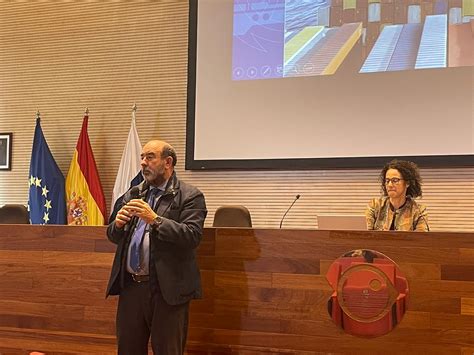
<point>421,46</point>
<point>323,53</point>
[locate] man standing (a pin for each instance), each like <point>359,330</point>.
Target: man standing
<point>157,230</point>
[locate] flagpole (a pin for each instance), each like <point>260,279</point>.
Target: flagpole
<point>129,172</point>
<point>134,110</point>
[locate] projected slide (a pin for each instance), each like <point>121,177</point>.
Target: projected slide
<point>277,84</point>
<point>291,38</point>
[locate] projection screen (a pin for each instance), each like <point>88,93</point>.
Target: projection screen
<point>307,84</point>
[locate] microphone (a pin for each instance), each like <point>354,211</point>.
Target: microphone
<point>144,190</point>
<point>169,192</point>
<point>289,208</point>
<point>136,192</point>
<point>419,211</point>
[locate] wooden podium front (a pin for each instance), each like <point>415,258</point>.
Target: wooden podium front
<point>265,291</point>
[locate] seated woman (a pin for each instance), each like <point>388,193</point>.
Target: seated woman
<point>397,209</point>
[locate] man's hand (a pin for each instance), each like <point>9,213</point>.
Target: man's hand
<point>122,218</point>
<point>136,207</point>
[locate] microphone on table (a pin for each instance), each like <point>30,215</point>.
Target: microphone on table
<point>419,211</point>
<point>289,208</point>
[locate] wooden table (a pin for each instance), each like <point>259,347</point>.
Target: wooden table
<point>265,291</point>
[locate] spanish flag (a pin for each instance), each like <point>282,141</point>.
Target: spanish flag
<point>84,195</point>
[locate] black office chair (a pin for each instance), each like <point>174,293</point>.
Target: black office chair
<point>14,214</point>
<point>232,216</point>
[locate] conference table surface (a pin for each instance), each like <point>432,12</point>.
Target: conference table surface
<point>265,291</point>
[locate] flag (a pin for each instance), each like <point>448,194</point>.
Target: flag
<point>46,203</point>
<point>129,172</point>
<point>84,194</point>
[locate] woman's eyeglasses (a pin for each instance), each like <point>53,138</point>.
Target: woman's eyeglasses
<point>394,181</point>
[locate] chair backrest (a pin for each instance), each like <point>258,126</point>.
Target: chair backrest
<point>14,214</point>
<point>342,222</point>
<point>232,216</point>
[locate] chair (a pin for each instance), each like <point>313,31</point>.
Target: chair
<point>14,214</point>
<point>232,216</point>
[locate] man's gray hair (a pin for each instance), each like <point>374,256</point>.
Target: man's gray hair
<point>168,151</point>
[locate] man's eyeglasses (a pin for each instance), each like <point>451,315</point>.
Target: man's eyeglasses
<point>394,181</point>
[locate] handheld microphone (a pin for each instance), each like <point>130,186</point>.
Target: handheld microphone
<point>136,192</point>
<point>143,190</point>
<point>289,208</point>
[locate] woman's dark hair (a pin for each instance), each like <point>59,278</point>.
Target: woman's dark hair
<point>410,174</point>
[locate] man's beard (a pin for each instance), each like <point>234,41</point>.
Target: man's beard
<point>155,178</point>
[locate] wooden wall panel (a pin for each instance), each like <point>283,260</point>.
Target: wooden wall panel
<point>260,302</point>
<point>61,57</point>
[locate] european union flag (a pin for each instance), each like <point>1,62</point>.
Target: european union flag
<point>46,201</point>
